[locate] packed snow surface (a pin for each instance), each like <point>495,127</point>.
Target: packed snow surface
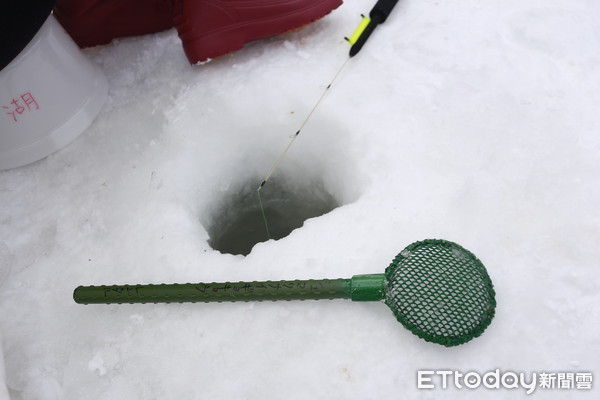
<point>472,121</point>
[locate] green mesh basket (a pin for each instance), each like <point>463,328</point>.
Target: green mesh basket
<point>437,289</point>
<point>440,291</point>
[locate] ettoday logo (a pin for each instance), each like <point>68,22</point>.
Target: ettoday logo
<point>496,379</point>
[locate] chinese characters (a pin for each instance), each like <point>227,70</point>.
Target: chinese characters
<point>25,103</point>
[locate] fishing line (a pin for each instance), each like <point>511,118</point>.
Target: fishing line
<point>262,210</point>
<point>378,15</point>
<point>289,145</point>
<point>295,136</point>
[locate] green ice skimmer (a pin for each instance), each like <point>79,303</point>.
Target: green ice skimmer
<point>437,289</point>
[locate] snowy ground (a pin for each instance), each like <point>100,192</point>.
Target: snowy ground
<point>471,121</point>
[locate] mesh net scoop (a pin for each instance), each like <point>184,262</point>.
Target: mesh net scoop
<point>440,291</point>
<point>437,289</point>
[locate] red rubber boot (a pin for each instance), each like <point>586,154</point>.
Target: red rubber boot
<point>95,22</point>
<point>211,28</point>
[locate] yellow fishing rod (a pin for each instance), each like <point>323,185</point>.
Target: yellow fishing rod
<point>380,12</point>
<point>378,15</point>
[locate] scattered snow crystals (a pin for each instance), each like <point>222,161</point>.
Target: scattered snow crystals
<point>96,364</point>
<point>199,63</point>
<point>289,45</point>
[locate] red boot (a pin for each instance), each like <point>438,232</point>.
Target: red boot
<point>95,22</point>
<point>207,28</point>
<point>211,28</point>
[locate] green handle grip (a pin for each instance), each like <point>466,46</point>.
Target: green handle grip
<point>359,288</point>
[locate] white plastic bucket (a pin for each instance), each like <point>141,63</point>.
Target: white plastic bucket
<point>49,95</point>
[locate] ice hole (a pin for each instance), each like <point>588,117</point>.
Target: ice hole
<point>238,223</point>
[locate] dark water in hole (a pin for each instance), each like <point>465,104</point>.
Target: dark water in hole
<point>239,224</point>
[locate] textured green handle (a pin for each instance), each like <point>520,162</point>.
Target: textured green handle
<point>209,292</point>
<point>359,288</point>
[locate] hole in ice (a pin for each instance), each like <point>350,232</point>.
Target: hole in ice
<point>238,224</point>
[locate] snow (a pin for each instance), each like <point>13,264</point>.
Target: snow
<point>471,121</point>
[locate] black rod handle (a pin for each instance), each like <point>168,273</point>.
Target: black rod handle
<point>379,13</point>
<point>382,10</point>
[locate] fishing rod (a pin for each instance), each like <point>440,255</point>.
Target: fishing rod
<point>378,15</point>
<point>380,12</point>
